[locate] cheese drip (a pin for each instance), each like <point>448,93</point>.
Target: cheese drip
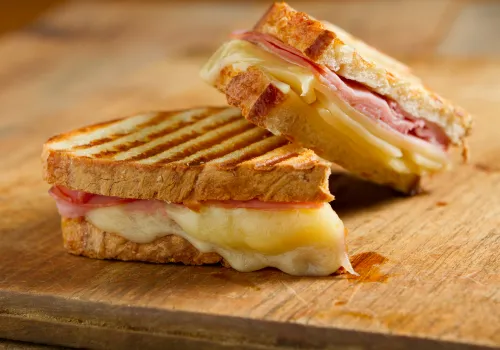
<point>305,242</point>
<point>402,153</point>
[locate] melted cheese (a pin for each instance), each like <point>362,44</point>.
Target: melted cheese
<point>402,153</point>
<point>297,241</point>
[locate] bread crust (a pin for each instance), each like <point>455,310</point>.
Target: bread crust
<point>179,184</point>
<point>262,175</point>
<point>349,57</point>
<point>285,120</point>
<point>82,238</point>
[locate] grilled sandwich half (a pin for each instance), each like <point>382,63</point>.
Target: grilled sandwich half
<point>315,84</point>
<point>197,186</point>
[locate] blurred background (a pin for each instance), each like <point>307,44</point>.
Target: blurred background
<point>69,63</point>
<point>404,28</point>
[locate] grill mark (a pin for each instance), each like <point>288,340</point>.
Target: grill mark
<point>151,137</point>
<point>162,116</point>
<point>158,118</point>
<point>238,145</point>
<point>206,144</point>
<point>252,154</point>
<point>275,160</point>
<point>118,149</point>
<point>155,120</point>
<point>181,139</point>
<point>84,130</point>
<point>96,142</point>
<point>101,125</point>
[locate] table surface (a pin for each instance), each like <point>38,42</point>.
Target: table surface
<point>429,265</point>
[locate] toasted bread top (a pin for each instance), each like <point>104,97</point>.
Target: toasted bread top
<point>262,103</point>
<point>349,57</point>
<point>199,154</point>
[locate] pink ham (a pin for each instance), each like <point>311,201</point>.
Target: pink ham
<point>369,103</point>
<point>73,204</point>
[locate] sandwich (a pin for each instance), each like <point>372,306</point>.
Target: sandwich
<point>196,186</point>
<point>315,84</point>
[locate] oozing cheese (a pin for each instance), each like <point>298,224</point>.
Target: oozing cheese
<point>296,241</point>
<point>402,153</point>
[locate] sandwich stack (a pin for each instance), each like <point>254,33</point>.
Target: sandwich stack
<point>199,186</point>
<point>247,187</point>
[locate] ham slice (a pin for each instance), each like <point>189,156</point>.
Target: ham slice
<point>74,204</point>
<point>369,103</point>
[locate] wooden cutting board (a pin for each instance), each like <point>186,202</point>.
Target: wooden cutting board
<point>429,265</point>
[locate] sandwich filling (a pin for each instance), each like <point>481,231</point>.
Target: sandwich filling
<point>297,238</point>
<point>356,95</point>
<point>357,115</point>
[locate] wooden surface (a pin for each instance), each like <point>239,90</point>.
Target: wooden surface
<point>429,265</point>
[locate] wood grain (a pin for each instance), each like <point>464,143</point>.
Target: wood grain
<point>429,265</point>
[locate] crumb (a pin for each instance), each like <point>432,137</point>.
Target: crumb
<point>441,204</point>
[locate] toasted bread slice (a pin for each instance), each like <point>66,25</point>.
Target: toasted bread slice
<point>190,155</point>
<point>265,105</point>
<point>82,238</point>
<point>317,86</point>
<point>204,186</point>
<point>351,58</point>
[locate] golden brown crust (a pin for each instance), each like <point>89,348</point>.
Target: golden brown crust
<point>82,238</point>
<point>177,184</point>
<point>320,44</point>
<point>252,91</point>
<point>257,174</point>
<point>297,125</point>
<point>349,57</point>
<point>264,97</point>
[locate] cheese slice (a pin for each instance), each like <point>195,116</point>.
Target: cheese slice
<point>306,242</point>
<point>402,153</point>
